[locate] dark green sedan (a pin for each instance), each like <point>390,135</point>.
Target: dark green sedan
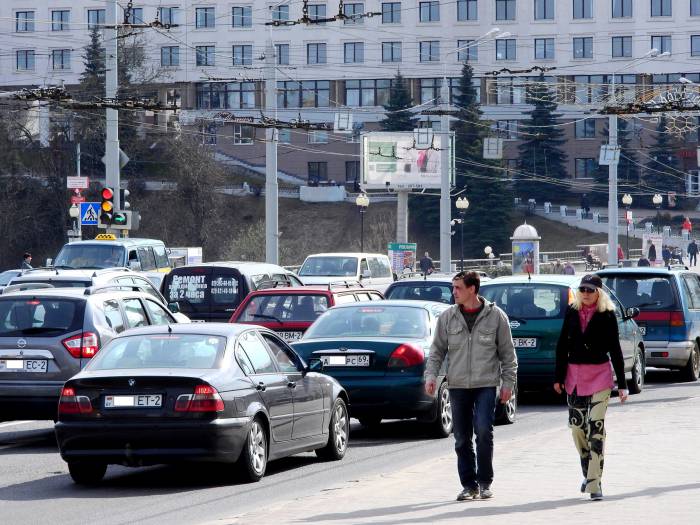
<point>535,306</point>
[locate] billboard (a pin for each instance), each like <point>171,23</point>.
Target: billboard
<point>402,256</point>
<point>396,160</point>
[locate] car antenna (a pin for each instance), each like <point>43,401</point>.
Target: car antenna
<point>170,329</point>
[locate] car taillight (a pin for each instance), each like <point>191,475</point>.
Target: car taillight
<point>69,403</point>
<point>83,345</point>
<point>204,399</point>
<point>406,355</point>
<point>677,319</point>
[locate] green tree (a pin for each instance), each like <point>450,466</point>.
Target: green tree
<point>541,153</point>
<point>662,173</point>
<point>487,221</point>
<point>398,116</point>
<point>92,79</point>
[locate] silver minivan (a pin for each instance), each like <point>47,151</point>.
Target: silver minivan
<point>370,269</point>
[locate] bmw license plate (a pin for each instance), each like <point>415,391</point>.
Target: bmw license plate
<point>135,401</point>
<point>24,365</point>
<point>290,336</point>
<point>345,360</point>
<point>524,342</point>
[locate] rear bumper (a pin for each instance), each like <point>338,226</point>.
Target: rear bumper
<point>150,443</point>
<point>388,397</point>
<point>25,400</point>
<point>678,353</point>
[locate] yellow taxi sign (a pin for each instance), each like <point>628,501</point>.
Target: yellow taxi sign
<point>106,237</point>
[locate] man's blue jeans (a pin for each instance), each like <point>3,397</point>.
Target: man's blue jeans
<point>473,413</point>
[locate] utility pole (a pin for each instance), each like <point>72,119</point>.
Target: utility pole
<point>402,217</point>
<point>111,87</point>
<point>271,135</point>
<point>612,191</point>
<point>445,208</point>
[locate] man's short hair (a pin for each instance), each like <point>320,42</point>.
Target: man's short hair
<point>27,254</point>
<point>471,278</point>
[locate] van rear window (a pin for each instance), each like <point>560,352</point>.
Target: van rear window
<point>198,289</point>
<point>32,316</point>
<point>648,292</point>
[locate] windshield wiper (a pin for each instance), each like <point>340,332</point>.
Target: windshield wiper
<point>64,267</point>
<point>265,316</point>
<point>650,303</point>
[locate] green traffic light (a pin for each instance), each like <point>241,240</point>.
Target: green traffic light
<point>119,219</point>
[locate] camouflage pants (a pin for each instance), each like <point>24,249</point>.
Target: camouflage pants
<point>587,424</point>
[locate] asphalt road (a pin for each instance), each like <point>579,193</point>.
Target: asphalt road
<point>35,486</point>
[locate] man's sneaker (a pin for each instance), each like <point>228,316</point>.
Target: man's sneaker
<point>486,493</point>
<point>467,494</point>
<point>596,496</point>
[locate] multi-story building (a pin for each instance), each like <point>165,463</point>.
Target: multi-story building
<point>212,62</point>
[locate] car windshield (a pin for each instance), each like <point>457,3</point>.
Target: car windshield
<point>31,316</point>
<point>161,351</point>
<point>90,256</point>
<point>645,291</point>
<point>528,301</point>
<point>372,321</point>
<point>336,266</point>
<point>421,291</point>
<point>284,307</point>
<point>6,277</point>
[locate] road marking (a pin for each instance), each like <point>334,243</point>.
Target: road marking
<point>13,423</point>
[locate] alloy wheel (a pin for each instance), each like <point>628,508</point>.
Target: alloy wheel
<point>446,410</point>
<point>340,428</point>
<point>256,447</point>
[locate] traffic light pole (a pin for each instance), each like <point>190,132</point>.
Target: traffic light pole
<point>271,187</point>
<point>111,87</point>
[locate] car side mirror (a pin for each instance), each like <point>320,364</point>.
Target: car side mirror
<point>174,308</point>
<point>315,365</point>
<point>632,312</point>
<point>135,266</point>
<point>366,275</point>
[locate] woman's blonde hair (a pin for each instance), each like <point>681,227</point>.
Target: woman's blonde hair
<point>604,303</point>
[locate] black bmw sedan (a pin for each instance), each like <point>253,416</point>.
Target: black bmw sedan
<point>207,392</point>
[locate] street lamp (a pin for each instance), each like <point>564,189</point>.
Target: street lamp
<point>362,202</point>
<point>74,214</point>
<point>627,201</point>
<point>657,199</point>
<point>489,253</point>
<point>462,204</point>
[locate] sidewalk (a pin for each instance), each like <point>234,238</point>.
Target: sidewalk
<point>652,476</point>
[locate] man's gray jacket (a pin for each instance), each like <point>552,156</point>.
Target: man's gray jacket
<point>481,358</point>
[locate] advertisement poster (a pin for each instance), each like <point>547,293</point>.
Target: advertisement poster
<point>524,257</point>
<point>652,244</point>
<point>402,256</point>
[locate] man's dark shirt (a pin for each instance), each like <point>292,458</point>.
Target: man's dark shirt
<point>471,315</point>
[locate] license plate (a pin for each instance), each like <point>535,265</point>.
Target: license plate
<point>345,360</point>
<point>136,401</point>
<point>24,365</point>
<point>290,336</point>
<point>524,342</point>
<point>642,330</point>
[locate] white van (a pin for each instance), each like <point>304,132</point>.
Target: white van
<point>370,269</point>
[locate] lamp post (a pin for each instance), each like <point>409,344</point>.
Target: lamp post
<point>657,199</point>
<point>489,254</point>
<point>627,201</point>
<point>74,214</point>
<point>462,204</point>
<point>362,202</point>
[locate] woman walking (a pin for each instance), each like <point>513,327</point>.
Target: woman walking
<point>589,341</point>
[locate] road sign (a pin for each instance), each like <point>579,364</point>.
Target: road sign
<point>123,159</point>
<point>81,183</point>
<point>77,199</point>
<point>89,213</point>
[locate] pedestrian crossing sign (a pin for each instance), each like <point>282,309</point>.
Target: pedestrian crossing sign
<point>89,213</point>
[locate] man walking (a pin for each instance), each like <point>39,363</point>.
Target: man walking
<point>426,264</point>
<point>693,253</point>
<point>475,336</point>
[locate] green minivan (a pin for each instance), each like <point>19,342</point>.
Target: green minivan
<point>535,306</point>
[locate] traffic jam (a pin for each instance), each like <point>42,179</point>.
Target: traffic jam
<point>139,363</point>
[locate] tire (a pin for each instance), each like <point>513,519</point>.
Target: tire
<point>253,460</point>
<point>636,385</point>
<point>370,421</point>
<point>506,413</point>
<point>338,432</point>
<point>691,371</point>
<point>443,423</point>
<point>84,473</point>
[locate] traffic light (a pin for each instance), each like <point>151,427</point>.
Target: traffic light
<point>123,195</point>
<point>107,206</point>
<point>122,219</point>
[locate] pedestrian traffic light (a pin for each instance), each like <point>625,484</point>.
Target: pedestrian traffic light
<point>107,206</point>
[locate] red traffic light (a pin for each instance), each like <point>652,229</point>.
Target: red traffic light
<point>107,193</point>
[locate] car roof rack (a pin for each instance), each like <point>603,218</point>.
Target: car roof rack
<point>39,269</point>
<point>20,287</point>
<point>91,290</point>
<point>273,283</point>
<point>344,284</point>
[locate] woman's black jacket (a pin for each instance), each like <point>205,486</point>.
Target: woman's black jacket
<point>600,339</point>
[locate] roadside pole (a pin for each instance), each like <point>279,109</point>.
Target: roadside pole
<point>271,186</point>
<point>445,209</point>
<point>111,87</point>
<point>612,193</point>
<point>402,217</point>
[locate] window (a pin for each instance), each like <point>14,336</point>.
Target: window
<point>544,9</point>
<point>511,90</point>
<point>661,7</point>
<point>283,356</point>
<point>430,51</point>
<point>544,48</point>
<point>318,171</point>
<point>242,16</point>
<point>695,46</point>
<point>25,60</point>
<point>243,135</point>
<point>429,11</point>
<point>135,16</point>
<point>308,94</point>
<point>147,259</point>
<point>694,7</point>
<point>505,129</point>
<point>226,95</point>
<point>693,286</point>
<point>583,47</point>
<point>24,21</point>
<point>354,11</point>
<point>282,52</point>
<point>257,353</point>
<point>621,46</point>
<point>317,11</point>
<point>280,13</point>
<point>315,53</point>
<point>167,15</point>
<point>367,92</point>
<point>205,55</point>
<point>317,137</point>
<point>170,56</point>
<point>354,52</point>
<point>60,20</point>
<point>204,17</point>
<point>470,53</point>
<point>467,10</point>
<point>583,9</point>
<point>284,136</point>
<point>96,18</point>
<point>585,129</point>
<point>113,315</point>
<point>585,168</point>
<point>60,59</point>
<point>352,171</point>
<point>159,315</point>
<point>622,8</point>
<point>391,12</point>
<point>505,49</point>
<point>135,314</point>
<point>242,55</point>
<point>591,89</point>
<point>662,43</point>
<point>391,51</point>
<point>505,9</point>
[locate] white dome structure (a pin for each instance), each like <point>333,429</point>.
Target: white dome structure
<point>525,232</point>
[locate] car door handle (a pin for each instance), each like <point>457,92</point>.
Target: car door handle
<point>292,384</point>
<point>261,386</point>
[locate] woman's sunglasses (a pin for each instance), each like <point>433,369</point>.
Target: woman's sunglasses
<point>583,289</point>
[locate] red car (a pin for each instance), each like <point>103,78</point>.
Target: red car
<point>290,311</point>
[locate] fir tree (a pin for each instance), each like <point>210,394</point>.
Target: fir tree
<point>92,79</point>
<point>398,115</point>
<point>662,174</point>
<point>541,153</point>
